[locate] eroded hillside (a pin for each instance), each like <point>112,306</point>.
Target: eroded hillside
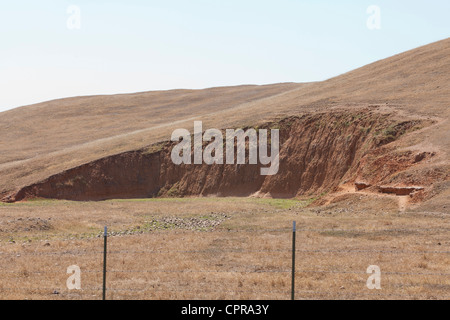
<point>318,153</point>
<point>381,128</point>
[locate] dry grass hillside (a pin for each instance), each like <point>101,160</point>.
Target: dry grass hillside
<point>43,140</point>
<point>46,138</point>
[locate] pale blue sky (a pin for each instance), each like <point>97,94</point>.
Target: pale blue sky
<point>137,45</point>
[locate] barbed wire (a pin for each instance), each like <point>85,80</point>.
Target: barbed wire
<point>299,229</point>
<point>279,251</point>
<point>200,292</point>
<point>115,252</point>
<point>236,270</point>
<point>178,231</point>
<point>18,254</point>
<point>287,251</point>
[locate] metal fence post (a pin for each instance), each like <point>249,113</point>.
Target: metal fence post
<point>293,261</point>
<point>105,236</point>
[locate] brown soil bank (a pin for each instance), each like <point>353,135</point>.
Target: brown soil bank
<point>318,152</point>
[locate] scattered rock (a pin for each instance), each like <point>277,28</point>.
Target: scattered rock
<point>399,191</point>
<point>362,185</point>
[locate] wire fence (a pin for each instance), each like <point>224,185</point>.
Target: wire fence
<point>408,284</point>
<point>243,251</point>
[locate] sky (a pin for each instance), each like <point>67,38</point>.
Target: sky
<point>54,49</point>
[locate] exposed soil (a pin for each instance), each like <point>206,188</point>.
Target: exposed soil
<point>318,153</point>
<point>94,148</point>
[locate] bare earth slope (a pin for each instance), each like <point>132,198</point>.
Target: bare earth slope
<point>394,114</point>
<point>46,138</point>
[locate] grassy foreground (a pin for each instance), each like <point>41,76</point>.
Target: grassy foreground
<point>228,248</point>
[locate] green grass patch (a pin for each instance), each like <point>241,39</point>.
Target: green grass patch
<point>154,148</point>
<point>276,203</point>
<point>38,202</point>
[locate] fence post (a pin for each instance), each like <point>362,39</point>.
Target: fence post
<point>293,261</point>
<point>105,236</point>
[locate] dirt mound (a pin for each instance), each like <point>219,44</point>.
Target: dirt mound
<point>317,153</point>
<point>25,225</point>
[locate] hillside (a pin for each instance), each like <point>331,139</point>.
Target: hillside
<point>405,97</point>
<point>46,138</point>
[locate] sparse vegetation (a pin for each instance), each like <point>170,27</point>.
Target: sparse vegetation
<point>227,248</point>
<point>157,147</point>
<point>173,192</point>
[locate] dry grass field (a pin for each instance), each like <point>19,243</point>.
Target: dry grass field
<point>223,248</point>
